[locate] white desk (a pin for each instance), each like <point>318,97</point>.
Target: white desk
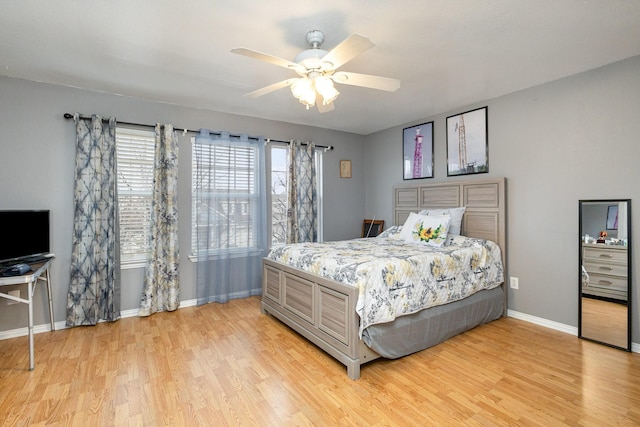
<point>31,279</point>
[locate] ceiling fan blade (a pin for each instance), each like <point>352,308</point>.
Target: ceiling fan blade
<point>270,59</point>
<point>271,88</point>
<point>322,107</point>
<point>348,49</point>
<point>366,80</point>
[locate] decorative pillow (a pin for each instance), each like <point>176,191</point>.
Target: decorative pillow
<point>425,229</point>
<point>392,231</point>
<point>456,217</point>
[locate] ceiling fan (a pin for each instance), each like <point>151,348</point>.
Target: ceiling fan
<point>317,69</point>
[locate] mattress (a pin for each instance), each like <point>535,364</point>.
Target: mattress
<point>395,278</point>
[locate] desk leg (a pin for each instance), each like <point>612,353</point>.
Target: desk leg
<point>53,328</point>
<point>32,362</point>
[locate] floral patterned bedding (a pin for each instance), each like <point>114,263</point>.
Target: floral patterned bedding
<point>397,278</point>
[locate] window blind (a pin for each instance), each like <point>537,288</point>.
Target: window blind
<point>135,156</point>
<point>225,210</point>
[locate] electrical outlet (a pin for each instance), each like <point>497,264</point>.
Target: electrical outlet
<point>513,283</point>
<point>14,293</point>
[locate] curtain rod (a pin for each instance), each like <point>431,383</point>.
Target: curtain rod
<point>69,116</point>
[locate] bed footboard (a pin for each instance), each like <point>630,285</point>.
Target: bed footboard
<point>321,310</point>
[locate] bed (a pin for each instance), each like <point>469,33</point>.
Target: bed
<point>325,311</point>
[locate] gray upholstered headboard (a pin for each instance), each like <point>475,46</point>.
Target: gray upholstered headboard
<point>485,201</point>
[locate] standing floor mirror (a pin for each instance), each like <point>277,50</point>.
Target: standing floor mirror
<point>605,272</point>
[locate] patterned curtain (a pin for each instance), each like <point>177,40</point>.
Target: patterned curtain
<point>230,214</point>
<point>161,279</point>
<point>94,288</point>
<point>302,195</point>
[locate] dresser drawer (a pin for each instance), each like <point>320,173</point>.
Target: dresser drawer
<point>606,293</point>
<point>618,270</point>
<point>602,281</point>
<point>605,253</point>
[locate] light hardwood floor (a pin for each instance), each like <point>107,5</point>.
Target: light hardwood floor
<point>605,321</point>
<point>231,365</point>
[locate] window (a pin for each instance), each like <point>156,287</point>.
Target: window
<point>225,179</point>
<point>135,157</point>
<point>277,182</point>
<point>278,187</point>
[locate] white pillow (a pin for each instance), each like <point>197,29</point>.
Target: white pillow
<point>392,231</point>
<point>456,217</point>
<point>425,229</point>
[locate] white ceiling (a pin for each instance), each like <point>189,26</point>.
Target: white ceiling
<point>447,53</point>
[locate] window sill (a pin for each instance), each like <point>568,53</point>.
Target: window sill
<point>133,263</point>
<point>226,255</point>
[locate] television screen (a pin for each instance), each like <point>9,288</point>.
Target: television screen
<point>24,233</point>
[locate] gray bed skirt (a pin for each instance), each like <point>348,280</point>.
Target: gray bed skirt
<point>418,331</point>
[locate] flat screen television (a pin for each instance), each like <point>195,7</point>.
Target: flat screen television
<point>23,233</point>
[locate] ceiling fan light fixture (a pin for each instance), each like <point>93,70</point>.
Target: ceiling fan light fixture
<point>317,69</point>
<point>324,86</point>
<point>304,91</point>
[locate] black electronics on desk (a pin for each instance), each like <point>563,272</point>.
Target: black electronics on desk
<point>24,236</point>
<point>15,270</point>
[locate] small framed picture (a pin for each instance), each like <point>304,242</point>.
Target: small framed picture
<point>467,143</point>
<point>417,151</point>
<point>345,168</point>
<point>612,217</point>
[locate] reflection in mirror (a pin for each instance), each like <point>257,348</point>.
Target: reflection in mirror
<point>605,272</point>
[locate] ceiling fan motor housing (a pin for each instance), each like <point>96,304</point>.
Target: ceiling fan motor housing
<point>310,58</point>
<point>315,38</point>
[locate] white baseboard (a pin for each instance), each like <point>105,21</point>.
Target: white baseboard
<point>23,332</point>
<point>543,322</point>
<point>635,347</point>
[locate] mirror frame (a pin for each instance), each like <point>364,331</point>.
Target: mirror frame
<point>581,203</point>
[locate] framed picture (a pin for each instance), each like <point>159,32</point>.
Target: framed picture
<point>467,143</point>
<point>612,217</point>
<point>345,168</point>
<point>417,151</point>
<point>372,227</point>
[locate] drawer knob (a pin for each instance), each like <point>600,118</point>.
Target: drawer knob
<point>604,267</point>
<point>606,255</point>
<point>605,282</point>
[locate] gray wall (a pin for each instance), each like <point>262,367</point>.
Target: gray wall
<point>571,139</point>
<point>594,220</point>
<point>37,160</point>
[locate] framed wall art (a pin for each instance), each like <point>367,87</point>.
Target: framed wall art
<point>345,168</point>
<point>417,151</point>
<point>467,143</point>
<point>612,217</point>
